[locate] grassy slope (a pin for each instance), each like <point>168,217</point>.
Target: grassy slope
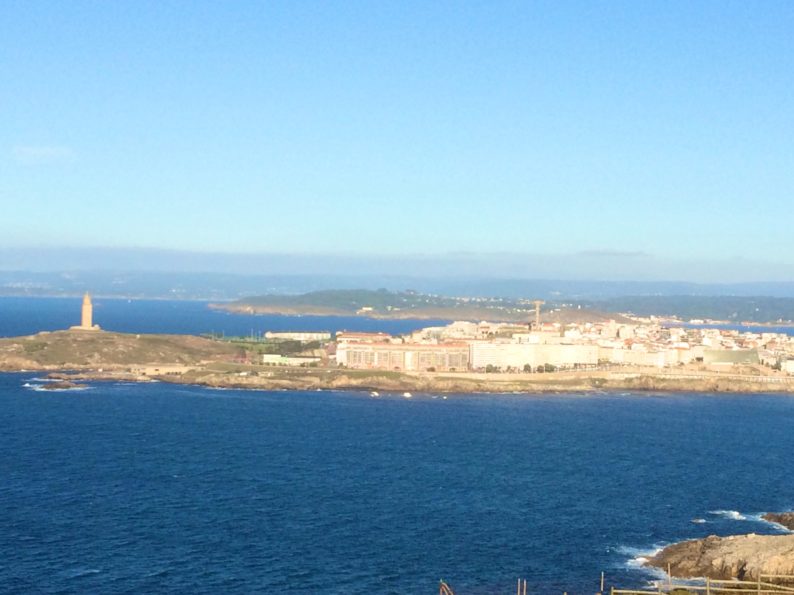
<point>81,348</point>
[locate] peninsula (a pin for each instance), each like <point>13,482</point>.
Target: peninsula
<point>385,304</point>
<point>101,355</point>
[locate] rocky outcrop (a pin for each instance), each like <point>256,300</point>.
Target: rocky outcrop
<point>781,518</point>
<point>61,385</point>
<point>737,556</point>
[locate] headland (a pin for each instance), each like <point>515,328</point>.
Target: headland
<point>78,356</point>
<point>742,557</point>
<point>389,305</point>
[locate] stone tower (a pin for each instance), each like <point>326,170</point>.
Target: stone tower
<point>87,318</point>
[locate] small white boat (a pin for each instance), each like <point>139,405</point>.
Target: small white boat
<point>407,395</point>
<point>374,393</point>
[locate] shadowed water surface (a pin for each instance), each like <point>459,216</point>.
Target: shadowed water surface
<point>165,489</point>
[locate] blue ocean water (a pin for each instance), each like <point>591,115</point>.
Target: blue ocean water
<point>157,488</point>
<point>743,328</point>
<point>25,316</point>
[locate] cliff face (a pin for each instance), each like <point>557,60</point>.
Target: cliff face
<point>737,556</point>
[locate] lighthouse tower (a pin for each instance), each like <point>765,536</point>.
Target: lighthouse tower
<point>86,316</point>
<point>86,320</point>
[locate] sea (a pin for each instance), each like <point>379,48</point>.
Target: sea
<point>28,315</point>
<point>160,488</point>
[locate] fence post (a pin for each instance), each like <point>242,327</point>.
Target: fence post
<point>708,586</point>
<point>601,590</point>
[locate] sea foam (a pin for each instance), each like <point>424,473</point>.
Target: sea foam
<point>733,515</point>
<point>637,558</point>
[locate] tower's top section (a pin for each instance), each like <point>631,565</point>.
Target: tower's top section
<point>87,299</point>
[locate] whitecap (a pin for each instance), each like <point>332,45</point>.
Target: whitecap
<point>733,515</point>
<point>638,558</point>
<point>80,572</point>
<point>699,521</point>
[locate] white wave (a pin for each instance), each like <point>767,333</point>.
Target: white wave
<point>733,515</point>
<point>638,558</point>
<point>80,572</point>
<point>699,521</point>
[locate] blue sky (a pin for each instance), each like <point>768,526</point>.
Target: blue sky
<point>662,129</point>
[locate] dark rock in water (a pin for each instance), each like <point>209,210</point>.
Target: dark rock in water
<point>61,385</point>
<point>781,518</point>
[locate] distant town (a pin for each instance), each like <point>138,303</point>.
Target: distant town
<point>544,347</point>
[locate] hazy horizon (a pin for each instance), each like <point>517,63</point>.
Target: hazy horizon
<point>551,139</point>
<point>583,266</point>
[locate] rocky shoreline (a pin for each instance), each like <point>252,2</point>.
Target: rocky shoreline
<point>785,519</point>
<point>335,379</point>
<point>742,557</point>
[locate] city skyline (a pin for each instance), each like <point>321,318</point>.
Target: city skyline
<point>649,139</point>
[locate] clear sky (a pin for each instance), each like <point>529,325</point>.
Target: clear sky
<point>659,128</point>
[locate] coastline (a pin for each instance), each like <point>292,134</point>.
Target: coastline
<point>186,359</point>
<point>414,314</point>
<point>449,314</point>
<point>393,382</point>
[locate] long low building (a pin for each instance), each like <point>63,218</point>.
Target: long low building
<point>302,336</point>
<point>409,357</point>
<point>518,355</point>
